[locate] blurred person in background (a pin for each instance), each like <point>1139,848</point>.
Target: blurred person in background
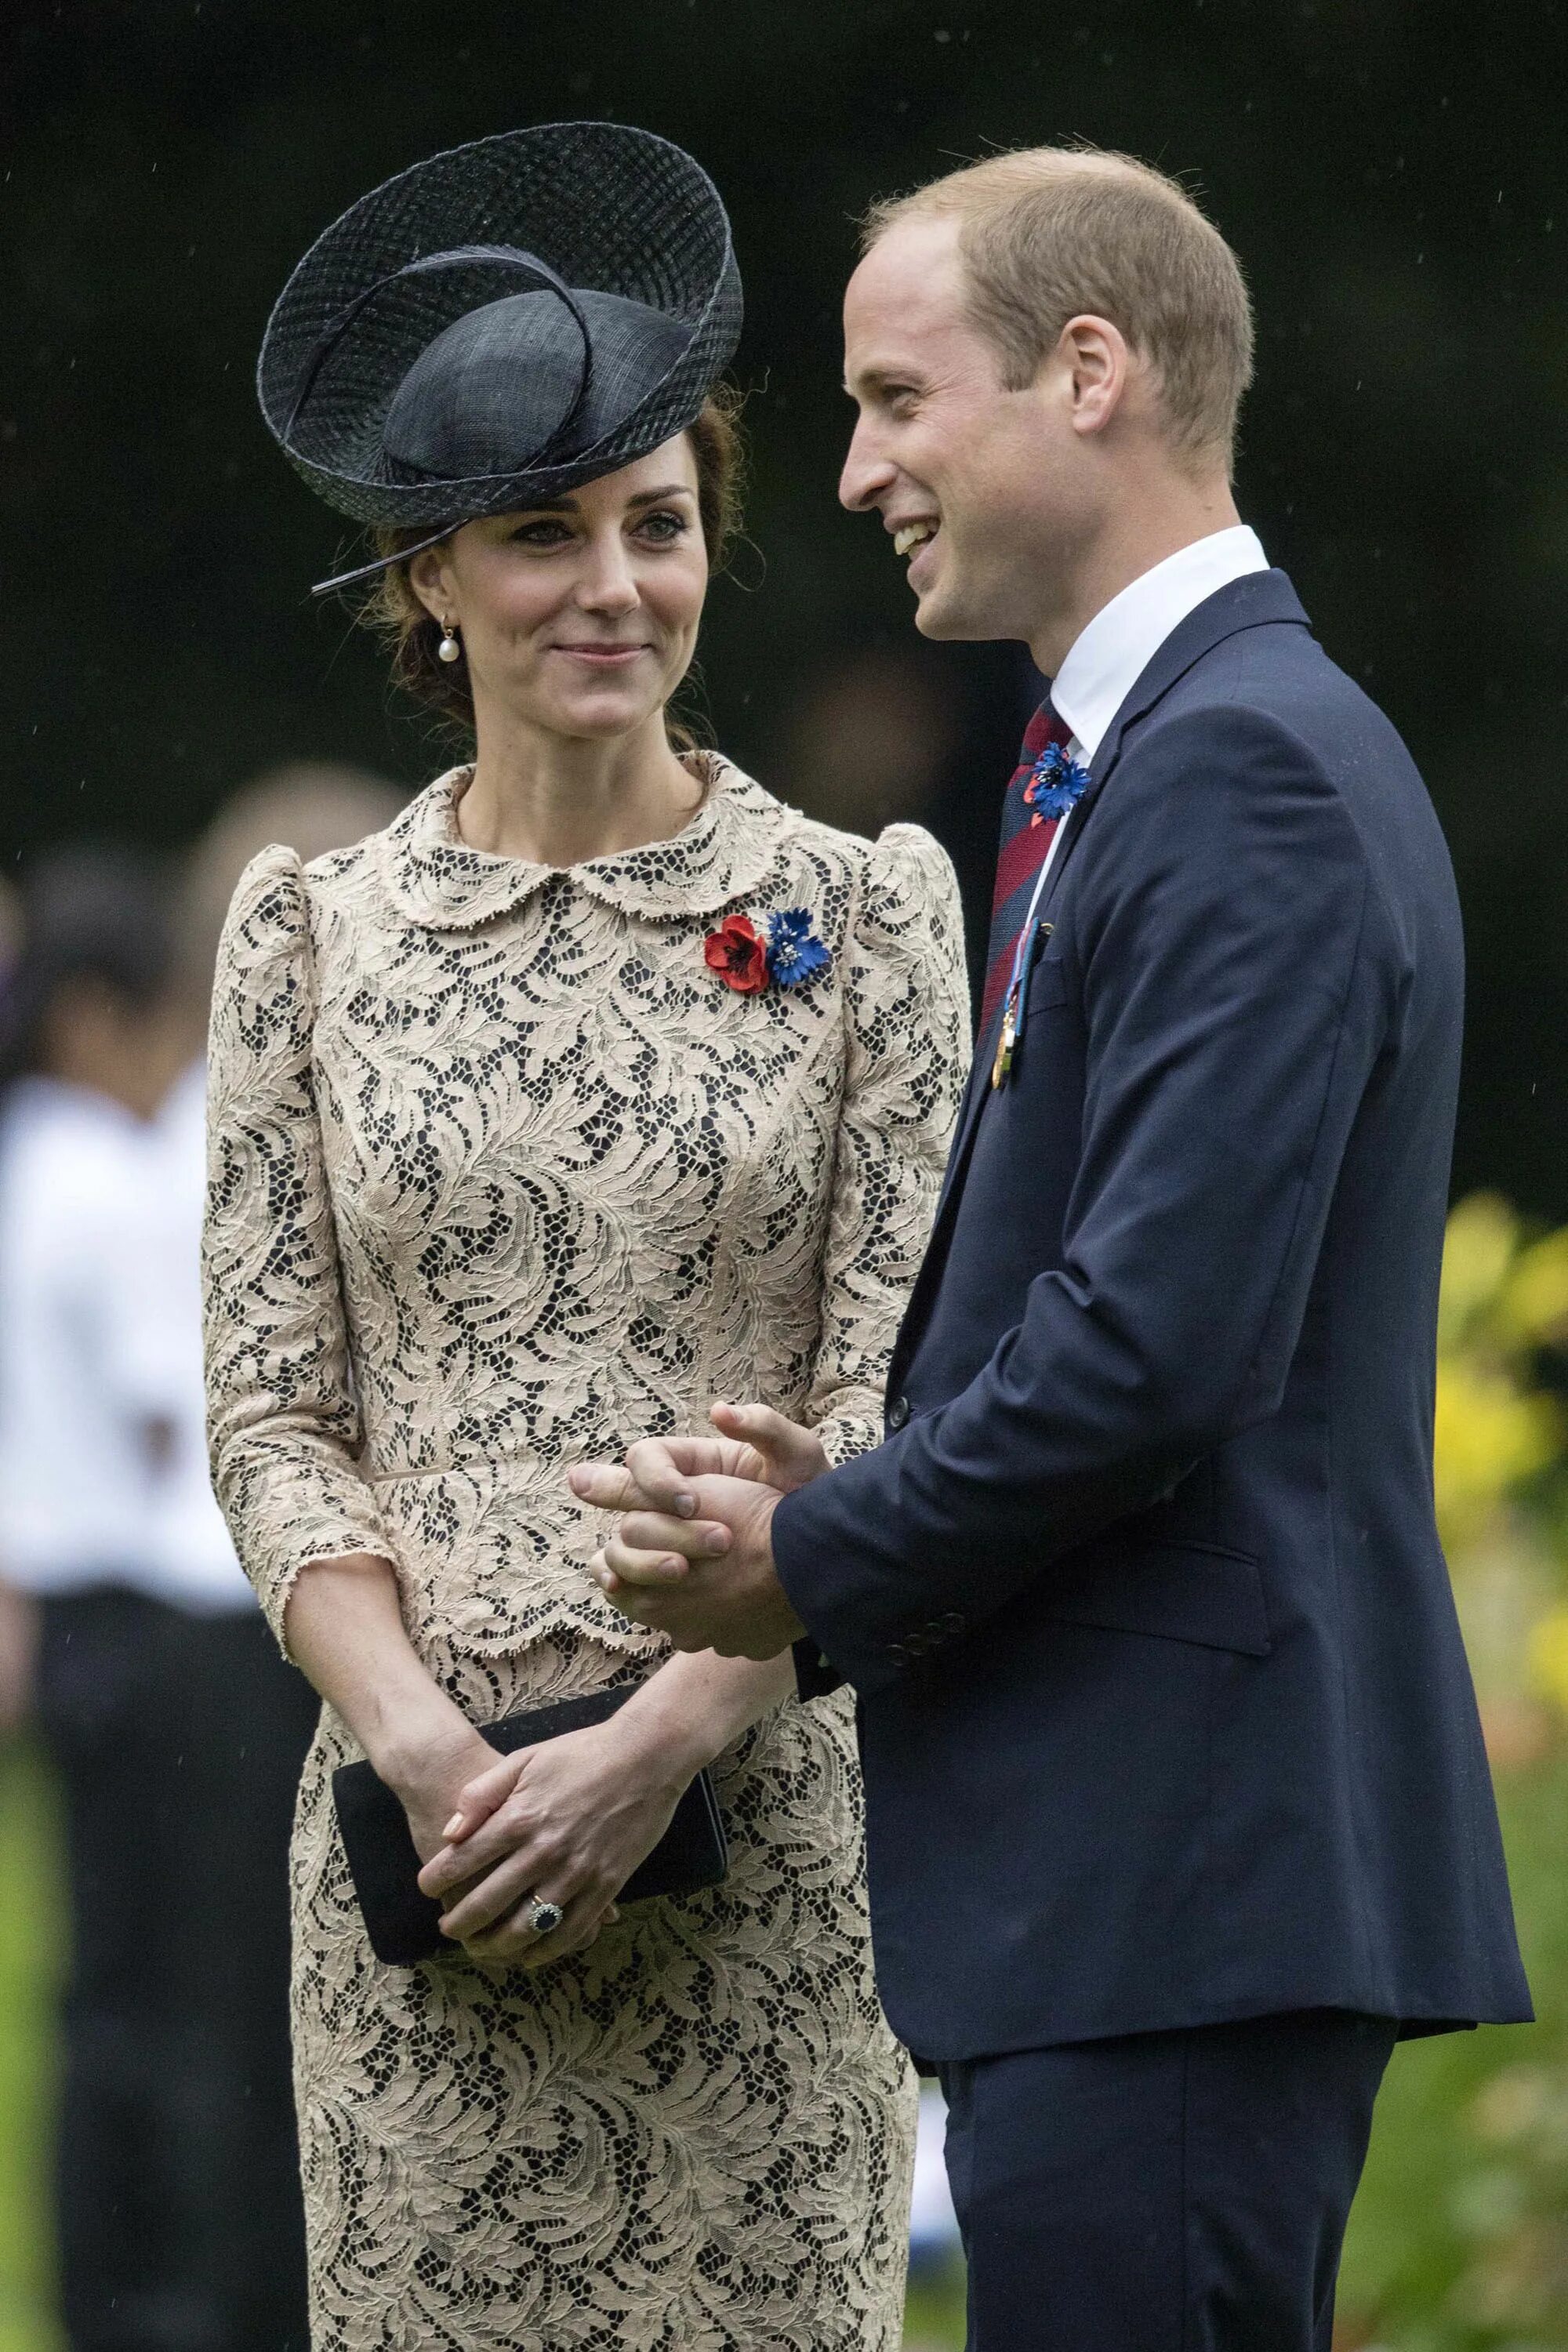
<point>95,1623</point>
<point>126,1623</point>
<point>18,1612</point>
<point>84,1064</point>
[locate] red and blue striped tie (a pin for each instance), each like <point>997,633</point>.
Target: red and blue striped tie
<point>1025,842</point>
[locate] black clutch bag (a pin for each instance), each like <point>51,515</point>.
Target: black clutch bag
<point>403,1925</point>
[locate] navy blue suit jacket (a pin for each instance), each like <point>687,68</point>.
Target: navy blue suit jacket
<point>1164,1715</point>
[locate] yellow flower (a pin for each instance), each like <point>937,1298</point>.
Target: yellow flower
<point>1548,1652</point>
<point>1491,1437</point>
<point>1482,1238</point>
<point>1535,1303</point>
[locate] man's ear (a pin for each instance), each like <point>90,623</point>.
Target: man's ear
<point>1096,361</point>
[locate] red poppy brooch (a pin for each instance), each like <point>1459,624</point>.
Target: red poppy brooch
<point>745,961</point>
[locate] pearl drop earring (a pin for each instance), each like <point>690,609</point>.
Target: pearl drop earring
<point>449,650</point>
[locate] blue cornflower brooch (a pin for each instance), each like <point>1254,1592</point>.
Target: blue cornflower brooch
<point>746,962</point>
<point>1057,786</point>
<point>795,954</point>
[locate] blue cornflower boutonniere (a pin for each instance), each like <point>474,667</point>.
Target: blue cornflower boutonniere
<point>795,954</point>
<point>1056,784</point>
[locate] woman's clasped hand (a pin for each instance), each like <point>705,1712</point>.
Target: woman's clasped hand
<point>567,1822</point>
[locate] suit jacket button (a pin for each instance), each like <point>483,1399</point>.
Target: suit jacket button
<point>898,1412</point>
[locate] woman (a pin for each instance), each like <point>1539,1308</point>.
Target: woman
<point>597,1084</point>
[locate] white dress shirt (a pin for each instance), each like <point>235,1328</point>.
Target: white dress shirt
<point>1108,658</point>
<point>196,1567</point>
<point>99,1341</point>
<point>75,1462</point>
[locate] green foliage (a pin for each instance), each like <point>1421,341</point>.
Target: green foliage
<point>934,2320</point>
<point>29,1949</point>
<point>1459,2239</point>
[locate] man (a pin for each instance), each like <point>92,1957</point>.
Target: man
<point>126,1623</point>
<point>1178,1810</point>
<point>175,1736</point>
<point>135,1667</point>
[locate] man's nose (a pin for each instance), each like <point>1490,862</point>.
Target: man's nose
<point>866,474</point>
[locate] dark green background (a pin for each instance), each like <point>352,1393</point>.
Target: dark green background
<point>1392,175</point>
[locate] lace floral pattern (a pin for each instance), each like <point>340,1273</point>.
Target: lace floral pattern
<point>500,1176</point>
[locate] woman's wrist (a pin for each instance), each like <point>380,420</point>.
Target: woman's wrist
<point>345,1628</point>
<point>695,1706</point>
<point>665,1738</point>
<point>415,1728</point>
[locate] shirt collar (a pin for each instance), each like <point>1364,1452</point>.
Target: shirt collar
<point>1108,658</point>
<point>438,881</point>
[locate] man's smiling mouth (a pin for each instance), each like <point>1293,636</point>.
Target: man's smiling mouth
<point>910,535</point>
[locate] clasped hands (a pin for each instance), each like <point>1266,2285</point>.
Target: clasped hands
<point>693,1555</point>
<point>573,1818</point>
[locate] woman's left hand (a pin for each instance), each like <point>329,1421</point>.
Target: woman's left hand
<point>564,1823</point>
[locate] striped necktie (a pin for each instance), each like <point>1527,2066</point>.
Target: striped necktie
<point>1026,840</point>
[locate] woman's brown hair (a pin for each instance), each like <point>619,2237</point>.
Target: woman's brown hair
<point>395,612</point>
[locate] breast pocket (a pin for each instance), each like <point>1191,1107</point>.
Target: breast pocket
<point>1048,986</point>
<point>1043,1033</point>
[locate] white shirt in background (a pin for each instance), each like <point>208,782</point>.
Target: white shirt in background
<point>196,1562</point>
<point>99,1338</point>
<point>74,1469</point>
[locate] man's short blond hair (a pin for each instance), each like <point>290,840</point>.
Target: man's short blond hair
<point>1048,232</point>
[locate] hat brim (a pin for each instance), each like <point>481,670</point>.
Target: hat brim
<point>607,205</point>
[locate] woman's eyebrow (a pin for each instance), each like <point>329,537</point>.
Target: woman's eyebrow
<point>642,499</point>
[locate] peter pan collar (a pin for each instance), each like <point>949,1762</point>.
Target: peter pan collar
<point>436,880</point>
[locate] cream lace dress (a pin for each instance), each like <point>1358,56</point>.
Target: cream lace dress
<point>503,1175</point>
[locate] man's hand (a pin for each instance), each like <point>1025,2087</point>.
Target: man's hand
<point>753,1441</point>
<point>692,1558</point>
<point>707,1580</point>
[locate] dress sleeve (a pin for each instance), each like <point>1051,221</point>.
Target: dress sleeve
<point>282,1422</point>
<point>906,998</point>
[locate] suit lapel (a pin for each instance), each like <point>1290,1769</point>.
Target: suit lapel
<point>1260,598</point>
<point>1249,603</point>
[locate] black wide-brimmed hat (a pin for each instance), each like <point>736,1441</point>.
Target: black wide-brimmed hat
<point>501,325</point>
